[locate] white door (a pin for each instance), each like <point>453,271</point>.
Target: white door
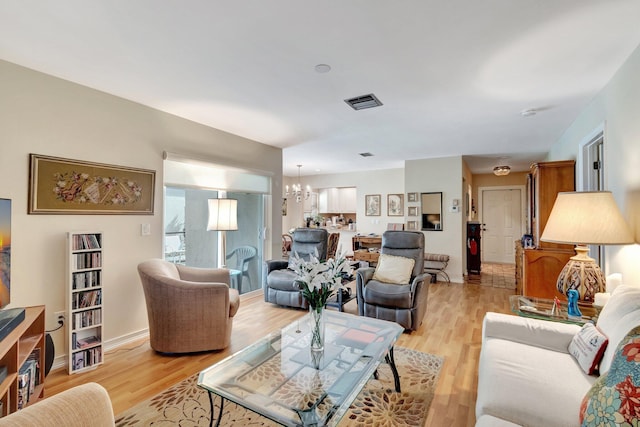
<point>502,221</point>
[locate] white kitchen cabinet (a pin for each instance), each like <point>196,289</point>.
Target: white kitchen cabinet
<point>337,200</point>
<point>348,202</point>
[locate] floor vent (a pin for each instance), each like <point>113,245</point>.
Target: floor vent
<point>364,101</point>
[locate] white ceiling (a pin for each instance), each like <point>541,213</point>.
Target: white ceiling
<point>453,75</point>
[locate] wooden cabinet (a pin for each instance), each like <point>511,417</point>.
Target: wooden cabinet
<point>541,268</point>
<point>22,352</point>
<point>537,269</point>
<point>361,246</point>
<point>84,301</point>
<point>547,180</point>
<point>519,260</point>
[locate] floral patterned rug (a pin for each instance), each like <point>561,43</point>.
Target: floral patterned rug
<point>185,404</point>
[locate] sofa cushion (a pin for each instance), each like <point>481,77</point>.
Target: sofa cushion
<point>615,398</point>
<point>529,385</point>
<point>394,269</point>
<point>588,346</point>
<point>620,314</point>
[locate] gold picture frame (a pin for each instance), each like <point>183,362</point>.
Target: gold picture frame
<point>65,186</point>
<point>412,211</point>
<point>412,225</point>
<point>412,197</point>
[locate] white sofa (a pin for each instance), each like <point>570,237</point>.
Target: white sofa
<point>526,376</point>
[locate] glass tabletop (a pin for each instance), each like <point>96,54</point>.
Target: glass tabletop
<point>541,308</point>
<point>279,378</point>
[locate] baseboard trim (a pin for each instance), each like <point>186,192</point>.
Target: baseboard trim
<point>61,361</point>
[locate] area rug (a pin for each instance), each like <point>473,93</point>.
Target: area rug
<point>185,404</point>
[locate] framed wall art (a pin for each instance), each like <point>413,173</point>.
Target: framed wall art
<point>284,206</point>
<point>395,204</point>
<point>412,225</point>
<point>412,211</point>
<point>65,186</point>
<point>412,197</point>
<point>372,204</point>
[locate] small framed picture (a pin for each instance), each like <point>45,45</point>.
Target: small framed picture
<point>412,211</point>
<point>412,225</point>
<point>412,197</point>
<point>372,204</point>
<point>395,204</point>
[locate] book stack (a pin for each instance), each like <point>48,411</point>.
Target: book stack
<point>28,378</point>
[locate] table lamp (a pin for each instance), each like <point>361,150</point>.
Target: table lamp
<point>585,218</point>
<point>223,217</point>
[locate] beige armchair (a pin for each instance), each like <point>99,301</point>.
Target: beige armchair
<point>84,405</point>
<point>189,309</point>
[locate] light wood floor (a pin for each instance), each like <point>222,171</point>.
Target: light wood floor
<point>452,329</point>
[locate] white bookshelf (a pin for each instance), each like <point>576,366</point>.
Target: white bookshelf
<point>84,301</point>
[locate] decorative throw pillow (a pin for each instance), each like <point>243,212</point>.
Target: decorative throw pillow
<point>394,269</point>
<point>614,399</point>
<point>588,346</point>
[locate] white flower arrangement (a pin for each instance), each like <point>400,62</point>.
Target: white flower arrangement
<point>319,279</point>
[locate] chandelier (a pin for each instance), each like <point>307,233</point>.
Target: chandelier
<point>296,189</point>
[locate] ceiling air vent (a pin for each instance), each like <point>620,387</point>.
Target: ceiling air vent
<point>367,154</point>
<point>364,101</point>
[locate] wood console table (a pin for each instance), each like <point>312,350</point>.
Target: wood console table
<point>361,245</point>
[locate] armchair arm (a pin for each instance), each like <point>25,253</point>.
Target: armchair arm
<point>418,281</point>
<point>275,264</point>
<point>535,332</point>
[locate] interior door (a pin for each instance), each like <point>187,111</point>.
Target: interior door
<point>502,221</point>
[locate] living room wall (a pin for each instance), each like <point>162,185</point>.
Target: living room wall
<point>617,106</point>
<point>47,115</point>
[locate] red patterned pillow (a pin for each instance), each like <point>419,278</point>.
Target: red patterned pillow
<point>614,399</point>
<point>588,347</point>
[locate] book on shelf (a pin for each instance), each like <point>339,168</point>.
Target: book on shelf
<point>85,241</point>
<point>87,341</point>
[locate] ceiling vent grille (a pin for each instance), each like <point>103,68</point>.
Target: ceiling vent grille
<point>364,101</point>
<point>367,154</point>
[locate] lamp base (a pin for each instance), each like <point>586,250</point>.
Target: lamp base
<point>583,274</point>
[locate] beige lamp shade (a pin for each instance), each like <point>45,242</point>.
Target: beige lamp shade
<point>585,218</point>
<point>223,214</point>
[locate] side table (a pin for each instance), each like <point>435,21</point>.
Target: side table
<point>541,308</point>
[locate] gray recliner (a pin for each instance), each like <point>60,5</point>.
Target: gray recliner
<point>279,281</point>
<point>403,304</point>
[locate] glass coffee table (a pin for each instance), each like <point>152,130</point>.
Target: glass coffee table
<point>541,308</point>
<point>279,377</point>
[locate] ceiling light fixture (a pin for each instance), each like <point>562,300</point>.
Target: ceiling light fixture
<point>296,190</point>
<point>322,68</point>
<point>501,170</point>
<point>529,112</point>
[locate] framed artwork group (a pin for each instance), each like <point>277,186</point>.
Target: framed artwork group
<point>395,204</point>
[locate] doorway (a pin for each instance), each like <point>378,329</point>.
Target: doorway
<point>502,222</point>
